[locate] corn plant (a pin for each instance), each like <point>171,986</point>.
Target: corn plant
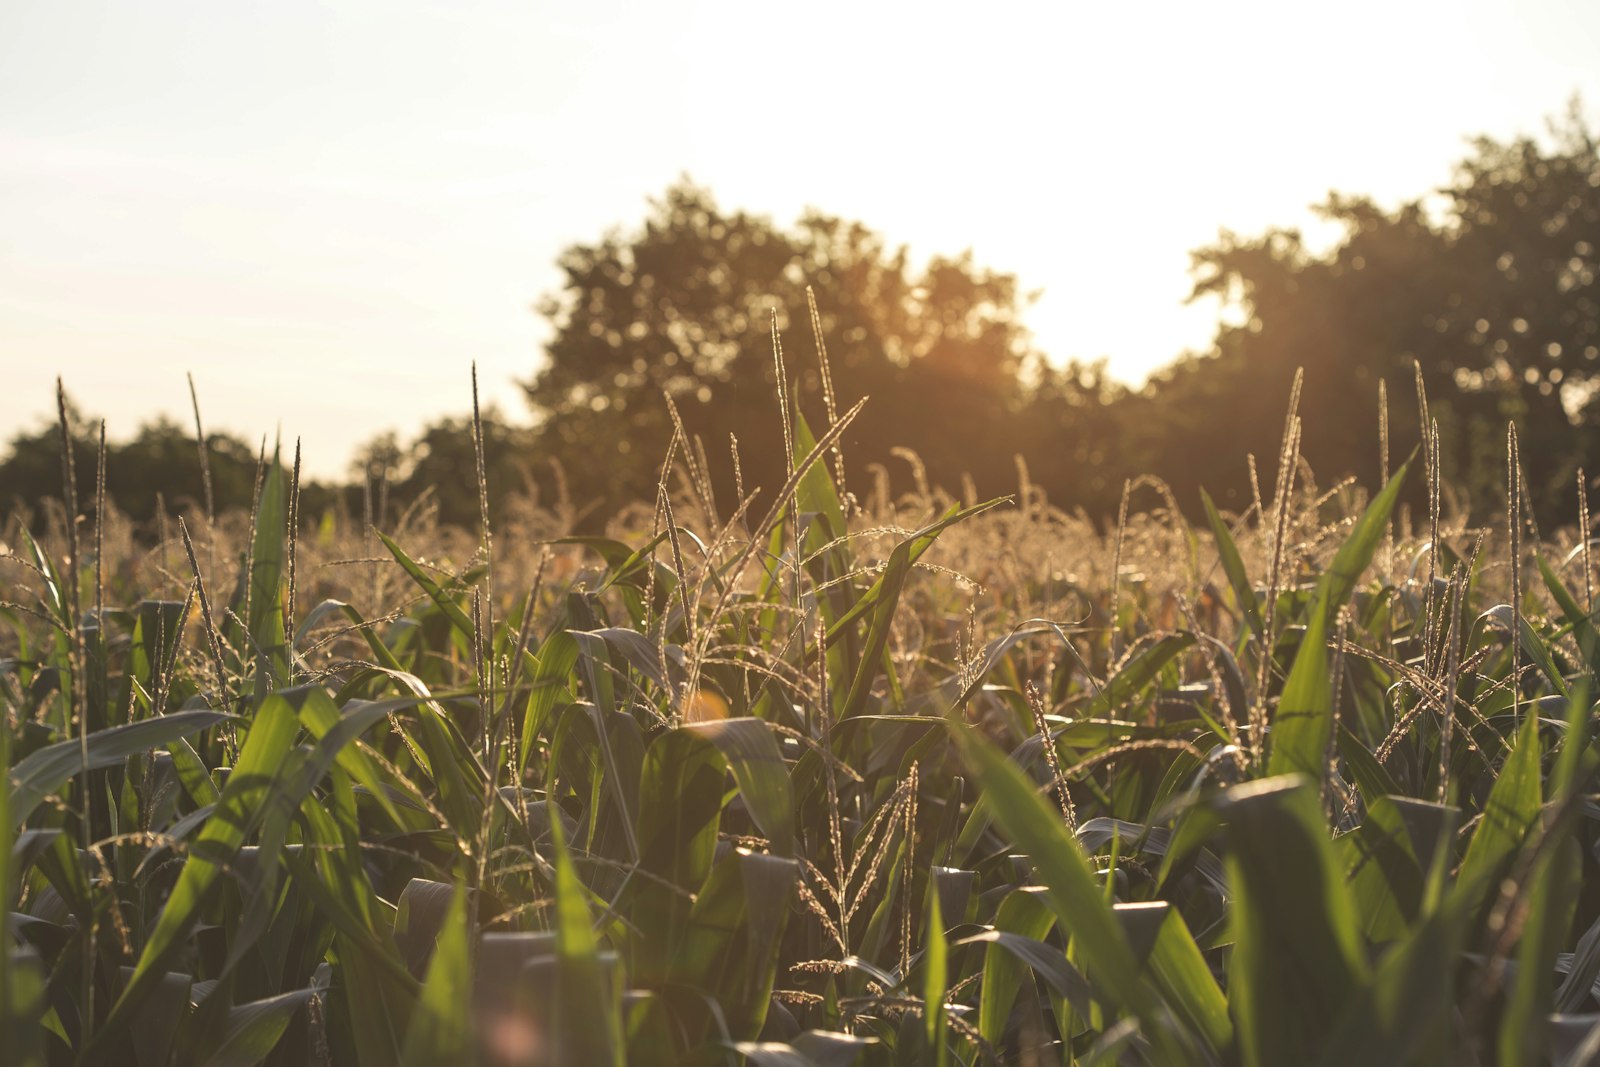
<point>746,787</point>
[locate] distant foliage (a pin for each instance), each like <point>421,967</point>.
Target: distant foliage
<point>158,468</point>
<point>1487,285</point>
<point>685,305</point>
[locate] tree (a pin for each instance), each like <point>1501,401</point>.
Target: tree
<point>1490,288</point>
<point>684,305</point>
<point>1526,328</point>
<point>160,463</point>
<point>1076,436</point>
<point>161,460</point>
<point>444,458</point>
<point>31,472</point>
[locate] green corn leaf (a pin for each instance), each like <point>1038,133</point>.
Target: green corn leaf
<point>758,769</point>
<point>624,564</point>
<point>1386,880</point>
<point>445,602</point>
<point>680,799</point>
<point>1016,943</point>
<point>38,775</point>
<point>1371,777</point>
<point>440,1034</point>
<point>1303,723</point>
<point>550,686</point>
<point>589,1019</point>
<point>1509,813</point>
<point>1154,841</point>
<point>1530,643</point>
<point>1138,672</point>
<point>1008,953</point>
<point>1408,1000</point>
<point>733,935</point>
<point>302,770</point>
<point>380,651</point>
<point>23,1012</point>
<point>768,883</point>
<point>447,757</point>
<point>883,598</point>
<point>253,1030</point>
<point>1353,557</point>
<point>706,953</point>
<point>267,570</point>
<point>243,804</point>
<point>56,598</point>
<point>379,992</point>
<point>1187,984</point>
<point>21,984</point>
<point>1585,969</point>
<point>916,546</point>
<point>815,492</point>
<point>164,1012</point>
<point>419,918</point>
<point>1582,622</point>
<point>1552,894</point>
<point>156,638</point>
<point>1073,891</point>
<point>1297,957</point>
<point>1233,566</point>
<point>935,978</point>
<point>607,750</point>
<point>339,728</point>
<point>627,650</point>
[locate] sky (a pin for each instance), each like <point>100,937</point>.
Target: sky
<point>328,211</point>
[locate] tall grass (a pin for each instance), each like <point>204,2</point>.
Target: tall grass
<point>804,781</point>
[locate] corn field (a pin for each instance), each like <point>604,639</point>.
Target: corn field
<point>804,781</point>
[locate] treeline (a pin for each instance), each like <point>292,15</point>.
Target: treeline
<point>1487,285</point>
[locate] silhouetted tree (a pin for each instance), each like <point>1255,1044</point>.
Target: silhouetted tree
<point>1490,287</point>
<point>1075,434</point>
<point>683,306</point>
<point>443,459</point>
<point>161,460</point>
<point>162,457</point>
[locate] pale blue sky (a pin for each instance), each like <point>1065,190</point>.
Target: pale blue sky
<point>326,211</point>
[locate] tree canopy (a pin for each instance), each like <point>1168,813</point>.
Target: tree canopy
<point>161,462</point>
<point>685,305</point>
<point>1488,286</point>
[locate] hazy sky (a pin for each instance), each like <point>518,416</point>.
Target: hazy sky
<point>327,210</point>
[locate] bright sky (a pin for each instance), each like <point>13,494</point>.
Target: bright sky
<point>327,210</point>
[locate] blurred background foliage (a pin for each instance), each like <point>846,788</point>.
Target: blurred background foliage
<point>1487,285</point>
